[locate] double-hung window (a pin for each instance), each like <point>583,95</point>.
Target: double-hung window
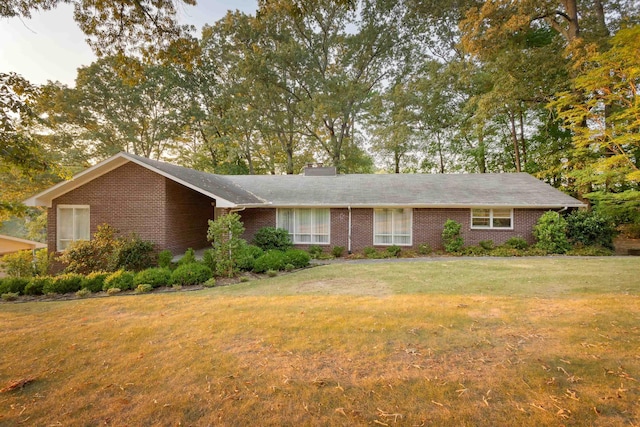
<point>392,227</point>
<point>72,224</point>
<point>492,218</point>
<point>306,226</point>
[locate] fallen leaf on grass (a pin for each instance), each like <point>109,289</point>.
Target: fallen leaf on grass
<point>17,384</point>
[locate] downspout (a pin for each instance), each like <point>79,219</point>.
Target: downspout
<point>349,232</point>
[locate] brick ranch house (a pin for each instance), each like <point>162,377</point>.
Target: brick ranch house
<point>170,205</point>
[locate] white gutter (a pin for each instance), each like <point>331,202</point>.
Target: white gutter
<point>349,232</point>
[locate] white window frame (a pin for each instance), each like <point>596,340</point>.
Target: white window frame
<point>293,235</point>
<point>393,225</point>
<point>491,218</point>
<point>73,225</point>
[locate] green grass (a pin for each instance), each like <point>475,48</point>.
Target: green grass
<point>479,343</point>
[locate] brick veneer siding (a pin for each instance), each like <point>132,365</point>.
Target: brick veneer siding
<point>427,226</point>
<point>132,198</point>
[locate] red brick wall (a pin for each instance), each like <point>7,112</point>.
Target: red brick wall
<point>130,198</point>
<point>427,226</point>
<point>187,214</point>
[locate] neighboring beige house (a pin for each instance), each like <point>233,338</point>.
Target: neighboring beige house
<point>10,244</point>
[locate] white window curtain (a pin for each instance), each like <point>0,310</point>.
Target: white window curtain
<point>306,226</point>
<point>392,227</point>
<point>73,223</point>
<point>491,218</point>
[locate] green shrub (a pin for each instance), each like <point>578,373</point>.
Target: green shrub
<point>370,252</point>
<point>209,259</point>
<point>113,291</point>
<point>94,282</point>
<point>210,283</point>
<point>18,264</point>
<point>97,254</point>
<point>143,288</point>
<point>337,251</point>
<point>247,256</point>
<point>42,262</point>
<point>424,249</point>
<point>133,254</point>
<point>36,285</point>
<point>153,276</point>
<point>533,251</point>
<point>315,251</point>
<point>64,284</point>
<point>268,238</point>
<point>550,231</point>
<point>506,251</point>
<point>191,274</point>
<point>120,279</point>
<point>224,234</point>
<point>394,251</point>
<point>189,257</point>
<point>272,273</point>
<point>83,293</point>
<point>516,243</point>
<point>590,228</point>
<point>589,251</point>
<point>289,267</point>
<point>297,257</point>
<point>487,245</point>
<point>164,258</point>
<point>14,285</point>
<point>451,238</point>
<point>270,260</point>
<point>474,251</point>
<point>10,296</point>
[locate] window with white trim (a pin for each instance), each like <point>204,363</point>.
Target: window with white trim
<point>492,218</point>
<point>392,227</point>
<point>72,224</point>
<point>306,226</point>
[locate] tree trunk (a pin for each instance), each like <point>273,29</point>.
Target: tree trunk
<point>514,138</point>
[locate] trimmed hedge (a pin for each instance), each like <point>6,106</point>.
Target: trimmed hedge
<point>64,284</point>
<point>121,279</point>
<point>297,257</point>
<point>191,274</point>
<point>268,238</point>
<point>94,282</point>
<point>153,276</point>
<point>13,285</point>
<point>37,284</point>
<point>271,260</point>
<point>247,256</point>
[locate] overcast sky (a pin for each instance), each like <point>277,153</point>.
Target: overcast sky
<point>50,46</point>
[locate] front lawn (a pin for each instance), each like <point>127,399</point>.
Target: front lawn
<point>552,341</point>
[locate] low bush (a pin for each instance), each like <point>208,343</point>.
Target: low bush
<point>394,251</point>
<point>247,256</point>
<point>83,293</point>
<point>113,291</point>
<point>424,249</point>
<point>164,258</point>
<point>190,274</point>
<point>551,233</point>
<point>94,282</point>
<point>120,279</point>
<point>533,251</point>
<point>14,285</point>
<point>268,238</point>
<point>272,273</point>
<point>133,254</point>
<point>315,251</point>
<point>516,243</point>
<point>64,284</point>
<point>270,260</point>
<point>143,288</point>
<point>474,251</point>
<point>370,252</point>
<point>97,254</point>
<point>589,251</point>
<point>153,276</point>
<point>297,257</point>
<point>337,251</point>
<point>36,285</point>
<point>506,251</point>
<point>451,238</point>
<point>210,283</point>
<point>10,296</point>
<point>189,257</point>
<point>487,245</point>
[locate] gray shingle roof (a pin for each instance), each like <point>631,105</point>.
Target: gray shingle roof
<point>444,190</point>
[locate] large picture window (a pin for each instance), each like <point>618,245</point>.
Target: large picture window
<point>492,218</point>
<point>392,227</point>
<point>72,224</point>
<point>306,226</point>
